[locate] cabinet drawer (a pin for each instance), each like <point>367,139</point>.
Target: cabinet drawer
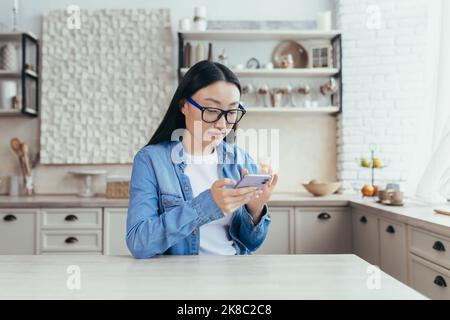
<point>17,231</point>
<point>365,236</point>
<point>429,279</point>
<point>322,230</point>
<point>430,246</point>
<point>393,250</point>
<point>68,241</point>
<point>71,218</point>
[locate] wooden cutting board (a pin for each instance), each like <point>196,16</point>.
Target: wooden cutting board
<point>445,211</point>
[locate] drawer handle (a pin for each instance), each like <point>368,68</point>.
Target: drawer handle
<point>390,229</point>
<point>9,218</point>
<point>71,217</point>
<point>363,219</point>
<point>439,246</point>
<point>71,240</point>
<point>324,216</point>
<point>440,281</point>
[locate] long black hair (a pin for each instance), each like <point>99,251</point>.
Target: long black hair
<point>200,75</point>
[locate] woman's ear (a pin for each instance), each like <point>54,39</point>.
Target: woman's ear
<point>183,106</point>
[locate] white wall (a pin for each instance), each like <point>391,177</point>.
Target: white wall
<point>316,151</point>
<point>385,85</point>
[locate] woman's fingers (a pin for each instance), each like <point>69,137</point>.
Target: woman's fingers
<point>223,182</point>
<point>274,181</point>
<point>243,197</point>
<point>236,203</point>
<point>238,192</point>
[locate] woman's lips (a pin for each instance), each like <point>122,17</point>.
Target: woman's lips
<point>216,134</point>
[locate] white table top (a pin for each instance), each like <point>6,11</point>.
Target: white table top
<point>196,277</point>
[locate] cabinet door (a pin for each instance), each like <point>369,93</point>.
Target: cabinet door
<point>18,231</point>
<point>393,251</point>
<point>322,230</point>
<point>279,237</point>
<point>114,231</point>
<point>365,236</point>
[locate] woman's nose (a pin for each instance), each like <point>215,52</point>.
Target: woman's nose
<point>221,123</point>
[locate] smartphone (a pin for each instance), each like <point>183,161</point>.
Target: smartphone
<point>253,180</point>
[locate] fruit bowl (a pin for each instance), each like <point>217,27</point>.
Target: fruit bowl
<point>323,188</point>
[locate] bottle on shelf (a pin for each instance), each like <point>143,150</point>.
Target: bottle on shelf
<point>187,55</point>
<point>210,52</point>
<point>199,53</point>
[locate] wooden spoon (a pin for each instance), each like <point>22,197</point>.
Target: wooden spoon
<point>28,180</point>
<point>16,145</point>
<point>26,160</point>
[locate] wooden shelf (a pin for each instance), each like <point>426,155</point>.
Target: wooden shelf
<point>9,74</point>
<point>306,72</point>
<point>15,36</point>
<point>16,74</point>
<point>27,42</point>
<point>303,110</point>
<point>10,112</point>
<point>258,35</point>
<point>332,37</point>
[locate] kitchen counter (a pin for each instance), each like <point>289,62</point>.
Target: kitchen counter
<point>67,201</point>
<point>413,212</point>
<point>197,277</point>
<point>60,201</point>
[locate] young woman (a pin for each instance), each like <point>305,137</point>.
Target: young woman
<point>181,196</point>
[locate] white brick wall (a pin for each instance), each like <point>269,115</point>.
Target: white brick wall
<point>383,78</point>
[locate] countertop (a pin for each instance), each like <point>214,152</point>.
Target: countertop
<point>197,277</point>
<point>414,212</point>
<point>60,201</point>
<point>49,201</point>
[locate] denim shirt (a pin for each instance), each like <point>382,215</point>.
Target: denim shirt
<point>164,217</point>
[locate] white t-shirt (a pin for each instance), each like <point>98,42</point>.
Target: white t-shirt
<point>214,237</point>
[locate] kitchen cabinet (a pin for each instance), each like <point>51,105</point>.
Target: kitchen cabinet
<point>114,231</point>
<point>393,250</point>
<point>279,239</point>
<point>18,231</point>
<point>413,255</point>
<point>83,241</point>
<point>322,231</point>
<point>381,242</point>
<point>365,236</point>
<point>71,218</point>
<point>71,230</point>
<point>429,263</point>
<point>431,246</point>
<point>429,278</point>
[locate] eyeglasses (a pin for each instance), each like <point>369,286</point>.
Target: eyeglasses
<point>211,115</point>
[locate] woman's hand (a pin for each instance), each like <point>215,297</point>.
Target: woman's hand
<point>227,199</point>
<point>256,205</point>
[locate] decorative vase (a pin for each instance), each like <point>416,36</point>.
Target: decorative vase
<point>8,58</point>
<point>8,90</point>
